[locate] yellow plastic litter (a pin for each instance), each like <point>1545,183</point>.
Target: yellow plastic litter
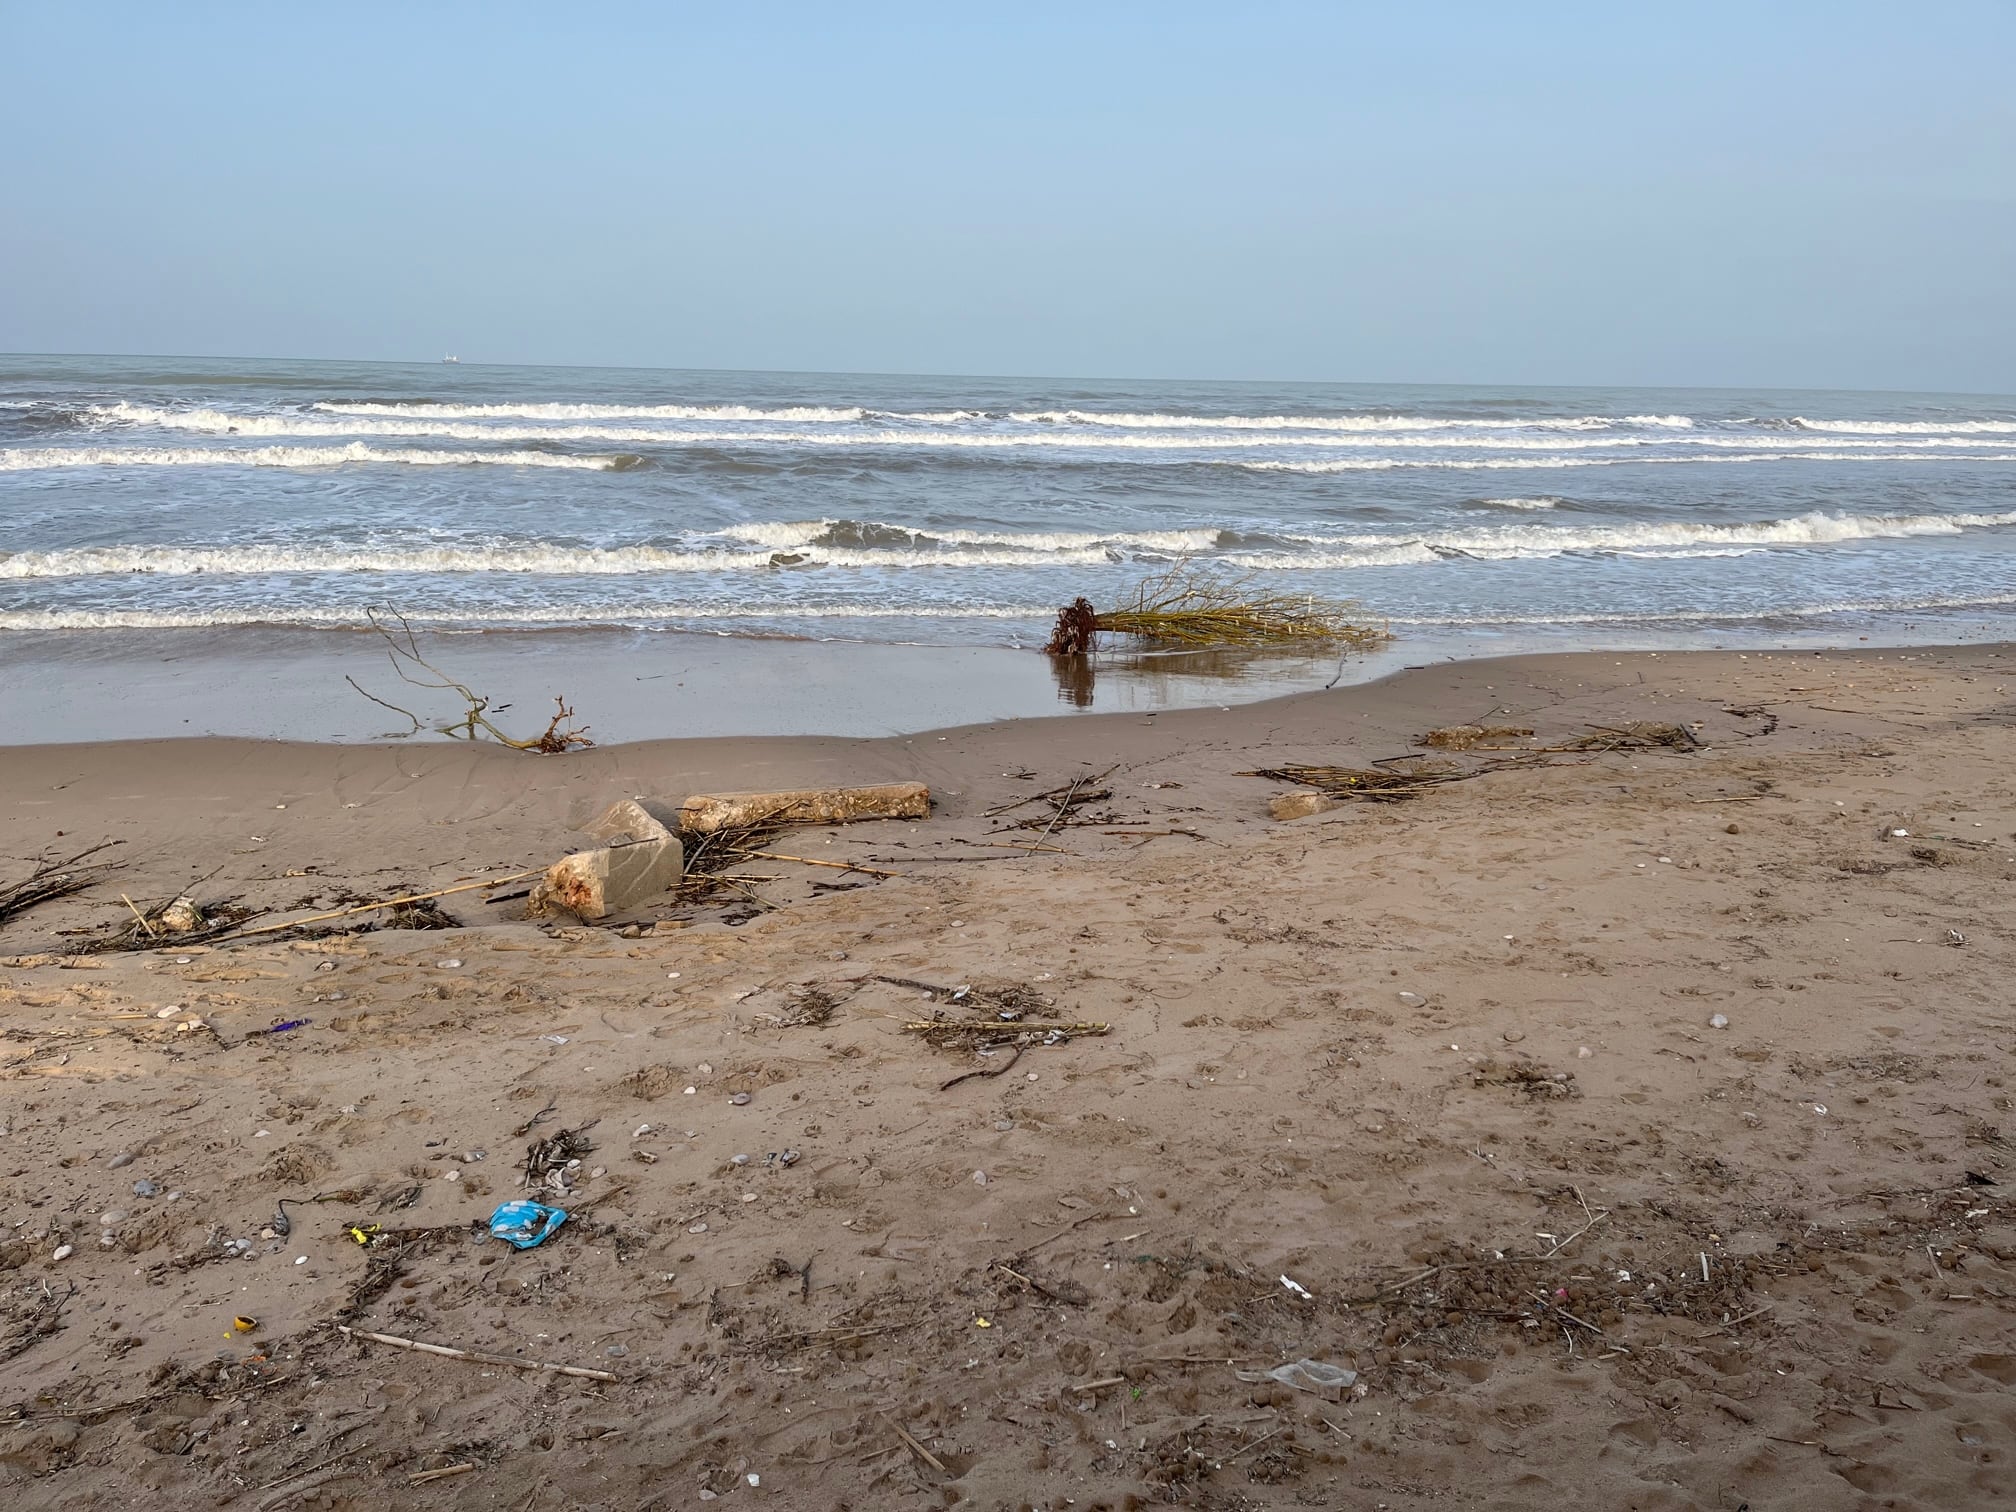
<point>982,1323</point>
<point>244,1324</point>
<point>367,1234</point>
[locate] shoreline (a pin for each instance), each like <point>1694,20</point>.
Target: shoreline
<point>627,686</point>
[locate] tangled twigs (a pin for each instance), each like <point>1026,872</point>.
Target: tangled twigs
<point>53,879</point>
<point>1191,606</point>
<point>413,669</point>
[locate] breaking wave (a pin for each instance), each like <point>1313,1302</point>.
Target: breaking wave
<point>39,458</point>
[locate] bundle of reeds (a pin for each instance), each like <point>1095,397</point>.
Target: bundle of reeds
<point>1194,607</point>
<point>53,879</point>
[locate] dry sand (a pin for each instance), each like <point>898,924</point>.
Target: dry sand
<point>1446,1066</point>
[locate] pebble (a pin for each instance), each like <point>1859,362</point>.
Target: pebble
<point>451,1174</point>
<point>64,1252</point>
<point>325,965</point>
<point>145,1188</point>
<point>1412,999</point>
<point>1583,1052</point>
<point>1513,1036</point>
<point>696,1228</point>
<point>642,1130</point>
<point>1003,1125</point>
<point>979,1178</point>
<point>451,964</point>
<point>300,1259</point>
<point>169,1012</point>
<point>748,1196</point>
<point>1732,829</point>
<point>1719,1021</point>
<point>738,1160</point>
<point>1030,1077</point>
<point>691,1090</point>
<point>122,1159</point>
<point>616,1351</point>
<point>705,1069</point>
<point>739,1099</point>
<point>113,1217</point>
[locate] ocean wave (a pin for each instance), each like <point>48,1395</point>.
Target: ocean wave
<point>797,535</point>
<point>1384,464</point>
<point>1679,618</point>
<point>1376,423</point>
<point>1543,501</point>
<point>432,410</point>
<point>868,544</point>
<point>40,458</point>
<point>542,560</point>
<point>1906,427</point>
<point>612,616</point>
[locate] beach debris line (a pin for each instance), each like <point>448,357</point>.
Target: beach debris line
<point>474,722</point>
<point>1371,784</point>
<point>1192,606</point>
<point>55,879</point>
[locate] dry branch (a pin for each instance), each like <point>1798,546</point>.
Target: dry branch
<point>1192,606</point>
<point>413,669</point>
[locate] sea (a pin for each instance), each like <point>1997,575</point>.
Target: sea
<point>156,494</point>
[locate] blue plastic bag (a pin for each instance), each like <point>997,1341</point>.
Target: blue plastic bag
<point>525,1225</point>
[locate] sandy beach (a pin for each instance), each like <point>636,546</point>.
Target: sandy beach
<point>1634,1124</point>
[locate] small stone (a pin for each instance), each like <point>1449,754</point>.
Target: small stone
<point>169,1012</point>
<point>1412,999</point>
<point>642,1130</point>
<point>1732,829</point>
<point>704,1069</point>
<point>122,1159</point>
<point>696,1228</point>
<point>616,1351</point>
<point>451,1174</point>
<point>1030,1077</point>
<point>1718,1021</point>
<point>451,964</point>
<point>739,1099</point>
<point>145,1188</point>
<point>64,1252</point>
<point>748,1196</point>
<point>470,1157</point>
<point>691,1090</point>
<point>182,915</point>
<point>738,1160</point>
<point>1004,1125</point>
<point>598,1172</point>
<point>979,1178</point>
<point>1513,1036</point>
<point>1583,1053</point>
<point>300,1259</point>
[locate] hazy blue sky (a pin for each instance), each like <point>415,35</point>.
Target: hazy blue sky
<point>1785,193</point>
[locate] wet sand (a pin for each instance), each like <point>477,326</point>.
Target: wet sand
<point>1433,1091</point>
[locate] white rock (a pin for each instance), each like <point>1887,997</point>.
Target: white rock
<point>64,1252</point>
<point>1719,1021</point>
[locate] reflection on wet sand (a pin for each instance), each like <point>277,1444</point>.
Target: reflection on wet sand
<point>1170,677</point>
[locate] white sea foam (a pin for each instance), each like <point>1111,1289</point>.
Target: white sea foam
<point>1544,501</point>
<point>543,560</point>
<point>40,458</point>
<point>1000,549</point>
<point>425,410</point>
<point>589,615</point>
<point>1908,427</point>
<point>1382,464</point>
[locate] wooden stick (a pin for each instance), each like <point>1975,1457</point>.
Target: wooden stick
<point>344,913</point>
<point>1085,1387</point>
<point>475,1356</point>
<point>1063,808</point>
<point>808,861</point>
<point>918,1449</point>
<point>152,933</point>
<point>442,1474</point>
<point>1255,1444</point>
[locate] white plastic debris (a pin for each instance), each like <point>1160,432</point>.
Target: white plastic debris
<point>1718,1021</point>
<point>1299,1289</point>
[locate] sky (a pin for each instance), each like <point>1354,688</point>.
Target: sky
<point>1781,194</point>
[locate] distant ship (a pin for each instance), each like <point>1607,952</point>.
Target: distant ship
<point>451,359</point>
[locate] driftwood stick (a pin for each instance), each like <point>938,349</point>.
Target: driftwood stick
<point>344,913</point>
<point>916,1448</point>
<point>472,1355</point>
<point>424,1476</point>
<point>808,861</point>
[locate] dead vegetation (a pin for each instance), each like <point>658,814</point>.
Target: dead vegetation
<point>1193,607</point>
<point>474,722</point>
<point>55,879</point>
